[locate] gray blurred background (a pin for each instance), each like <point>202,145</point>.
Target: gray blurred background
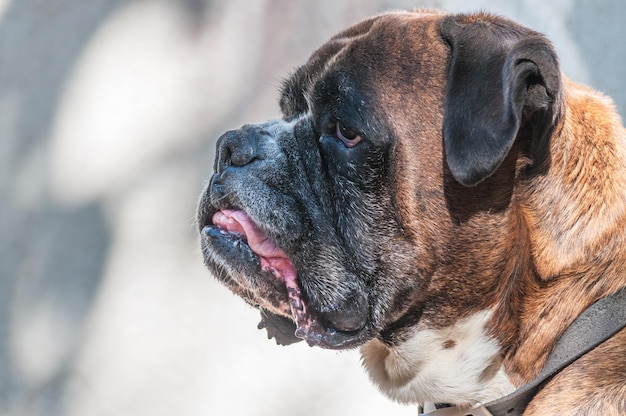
<point>109,110</point>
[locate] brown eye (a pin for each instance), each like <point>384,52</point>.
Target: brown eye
<point>349,137</point>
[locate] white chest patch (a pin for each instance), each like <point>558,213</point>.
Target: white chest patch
<point>459,364</point>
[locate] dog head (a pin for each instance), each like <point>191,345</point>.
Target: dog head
<point>366,211</point>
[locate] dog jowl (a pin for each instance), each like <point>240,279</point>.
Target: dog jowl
<point>436,193</point>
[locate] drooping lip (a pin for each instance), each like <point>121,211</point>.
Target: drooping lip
<point>272,258</point>
<point>236,237</point>
<point>246,239</point>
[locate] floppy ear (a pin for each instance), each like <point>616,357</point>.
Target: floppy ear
<point>501,75</point>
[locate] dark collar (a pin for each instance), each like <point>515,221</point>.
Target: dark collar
<point>595,325</point>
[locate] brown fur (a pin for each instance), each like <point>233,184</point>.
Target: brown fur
<point>535,242</point>
<point>576,221</point>
<point>557,240</point>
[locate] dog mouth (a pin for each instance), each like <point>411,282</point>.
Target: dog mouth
<point>271,282</point>
<point>271,257</point>
<point>238,223</point>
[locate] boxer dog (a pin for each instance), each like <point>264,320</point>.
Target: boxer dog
<point>440,195</point>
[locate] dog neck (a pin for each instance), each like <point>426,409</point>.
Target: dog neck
<point>553,248</point>
<point>435,363</point>
<point>575,220</point>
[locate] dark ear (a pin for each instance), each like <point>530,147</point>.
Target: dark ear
<point>501,75</point>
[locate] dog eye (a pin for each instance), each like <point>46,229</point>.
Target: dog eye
<point>349,137</point>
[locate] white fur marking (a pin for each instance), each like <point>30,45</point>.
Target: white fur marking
<point>422,369</point>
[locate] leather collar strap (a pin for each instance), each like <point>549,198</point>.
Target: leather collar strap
<point>595,325</point>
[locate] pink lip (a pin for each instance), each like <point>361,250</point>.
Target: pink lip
<point>272,258</point>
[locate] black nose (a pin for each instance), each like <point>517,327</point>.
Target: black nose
<point>238,147</point>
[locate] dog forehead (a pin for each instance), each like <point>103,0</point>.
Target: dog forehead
<point>385,48</point>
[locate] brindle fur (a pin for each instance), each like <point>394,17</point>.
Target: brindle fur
<point>536,237</point>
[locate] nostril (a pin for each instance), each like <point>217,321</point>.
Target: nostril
<point>237,148</point>
<point>242,155</point>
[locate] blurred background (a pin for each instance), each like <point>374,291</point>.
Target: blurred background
<point>109,111</point>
